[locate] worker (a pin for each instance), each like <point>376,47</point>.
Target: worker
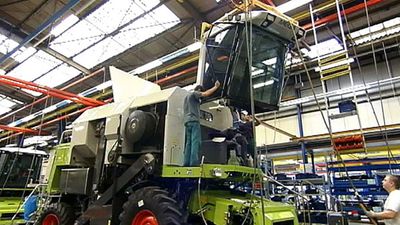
<point>391,209</point>
<point>246,129</point>
<point>235,117</point>
<point>191,112</point>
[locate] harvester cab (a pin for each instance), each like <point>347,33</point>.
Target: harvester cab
<point>124,164</point>
<point>20,170</point>
<point>229,56</point>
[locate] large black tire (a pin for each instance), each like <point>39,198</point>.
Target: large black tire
<point>153,206</point>
<point>57,214</point>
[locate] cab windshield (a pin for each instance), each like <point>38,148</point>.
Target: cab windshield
<point>227,61</point>
<point>17,169</point>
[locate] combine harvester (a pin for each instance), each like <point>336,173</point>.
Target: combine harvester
<point>124,163</point>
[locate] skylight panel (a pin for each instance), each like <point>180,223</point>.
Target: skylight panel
<point>146,27</point>
<point>113,14</point>
<point>162,14</point>
<point>34,93</point>
<point>4,110</point>
<point>59,75</point>
<point>20,56</point>
<point>64,25</point>
<point>35,66</point>
<point>77,38</point>
<point>6,103</point>
<point>7,44</point>
<point>148,4</point>
<point>138,31</point>
<point>98,24</point>
<point>99,53</point>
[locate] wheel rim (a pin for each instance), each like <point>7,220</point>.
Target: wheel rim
<point>51,219</point>
<point>145,217</point>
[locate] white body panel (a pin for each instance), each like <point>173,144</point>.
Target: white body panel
<point>174,140</point>
<point>126,87</point>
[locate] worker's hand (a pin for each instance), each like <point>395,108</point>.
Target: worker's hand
<point>370,214</point>
<point>217,84</point>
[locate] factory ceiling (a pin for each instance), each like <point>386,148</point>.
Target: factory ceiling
<point>63,44</point>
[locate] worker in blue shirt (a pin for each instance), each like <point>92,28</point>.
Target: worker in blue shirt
<point>191,110</point>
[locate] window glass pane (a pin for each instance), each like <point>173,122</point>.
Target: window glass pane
<point>99,53</point>
<point>58,76</point>
<point>266,72</point>
<point>146,27</point>
<point>79,37</point>
<point>6,44</point>
<point>4,110</point>
<point>35,66</point>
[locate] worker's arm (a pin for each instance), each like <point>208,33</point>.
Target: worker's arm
<point>211,90</point>
<point>257,121</point>
<point>387,214</point>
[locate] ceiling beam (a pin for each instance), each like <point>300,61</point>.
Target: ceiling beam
<point>16,93</point>
<point>12,3</point>
<point>198,17</point>
<point>41,28</point>
<point>65,59</point>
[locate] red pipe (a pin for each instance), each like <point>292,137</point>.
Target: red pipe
<point>20,129</point>
<point>21,85</point>
<point>33,86</point>
<point>348,11</point>
<point>270,2</point>
<point>166,79</point>
<point>46,97</point>
<point>50,91</point>
<point>191,69</point>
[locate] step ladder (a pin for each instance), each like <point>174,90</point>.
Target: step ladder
<point>335,66</point>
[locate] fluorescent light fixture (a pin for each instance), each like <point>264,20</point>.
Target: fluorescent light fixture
<point>293,4</point>
<point>64,25</point>
<point>49,109</point>
<point>104,85</point>
<point>148,66</point>
<point>194,47</point>
<point>13,124</point>
<point>270,61</point>
<point>257,72</point>
<point>26,119</point>
<point>266,83</point>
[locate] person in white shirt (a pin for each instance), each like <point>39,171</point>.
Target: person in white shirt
<point>391,209</point>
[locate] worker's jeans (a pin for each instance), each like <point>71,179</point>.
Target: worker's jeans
<point>192,143</point>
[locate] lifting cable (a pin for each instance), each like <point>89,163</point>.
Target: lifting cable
<point>325,122</point>
<point>378,80</point>
<point>249,47</point>
<point>383,132</point>
<point>248,41</point>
